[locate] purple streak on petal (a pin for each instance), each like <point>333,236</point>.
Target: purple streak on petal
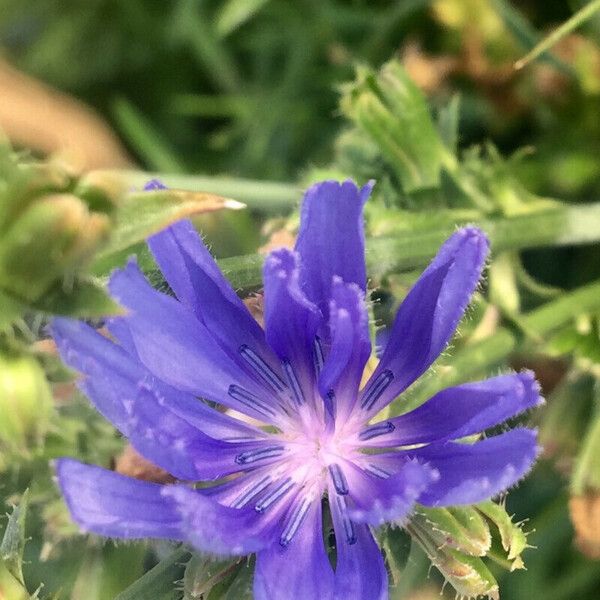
<point>461,411</point>
<point>350,346</point>
<point>331,238</point>
<point>199,284</point>
<point>112,505</point>
<point>291,322</point>
<point>177,348</point>
<point>430,313</point>
<point>471,473</point>
<point>298,569</point>
<point>212,527</point>
<point>360,571</point>
<point>380,500</point>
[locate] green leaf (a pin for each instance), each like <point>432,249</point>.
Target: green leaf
<point>160,583</point>
<point>13,541</point>
<point>142,214</point>
<point>235,13</point>
<point>206,577</point>
<point>448,121</point>
<point>503,289</point>
<point>397,544</point>
<point>108,569</point>
<point>143,136</point>
<point>85,298</point>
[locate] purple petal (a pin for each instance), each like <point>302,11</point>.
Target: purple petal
<point>199,284</point>
<point>360,571</point>
<point>331,238</point>
<point>212,527</point>
<point>428,317</point>
<point>112,505</point>
<point>166,426</point>
<point>177,348</point>
<point>350,347</point>
<point>380,500</point>
<point>299,569</point>
<point>291,322</point>
<point>459,411</point>
<point>471,473</point>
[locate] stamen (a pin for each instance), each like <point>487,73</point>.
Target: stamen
<point>376,389</point>
<point>249,399</point>
<point>253,456</point>
<point>250,492</point>
<point>262,369</point>
<point>294,383</point>
<point>295,520</point>
<point>318,355</point>
<point>376,430</point>
<point>339,479</point>
<point>274,495</point>
<point>348,525</point>
<point>378,472</point>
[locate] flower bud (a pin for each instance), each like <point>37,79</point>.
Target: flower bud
<point>55,235</point>
<point>25,404</point>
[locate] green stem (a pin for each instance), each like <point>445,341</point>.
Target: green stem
<point>265,196</point>
<point>558,226</point>
<point>552,315</point>
<point>582,15</point>
<point>562,225</point>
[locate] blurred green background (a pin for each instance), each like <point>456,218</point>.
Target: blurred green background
<point>246,91</point>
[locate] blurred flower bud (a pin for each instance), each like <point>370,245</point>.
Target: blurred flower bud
<point>25,404</point>
<point>55,235</point>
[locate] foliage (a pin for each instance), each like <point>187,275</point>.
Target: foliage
<point>435,112</point>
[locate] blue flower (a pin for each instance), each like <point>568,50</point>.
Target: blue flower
<point>299,427</point>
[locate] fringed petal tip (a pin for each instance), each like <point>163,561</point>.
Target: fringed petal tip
<point>533,389</point>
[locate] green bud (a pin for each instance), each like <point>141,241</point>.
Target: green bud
<point>391,110</point>
<point>25,404</point>
<point>54,236</point>
<point>467,574</point>
<point>461,528</point>
<point>512,536</point>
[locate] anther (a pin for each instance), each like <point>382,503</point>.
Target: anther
<point>262,369</point>
<point>294,383</point>
<point>252,456</point>
<point>294,522</point>
<point>377,471</point>
<point>376,430</point>
<point>376,389</point>
<point>275,494</point>
<point>250,492</point>
<point>249,399</point>
<point>347,524</point>
<point>318,355</point>
<point>339,479</point>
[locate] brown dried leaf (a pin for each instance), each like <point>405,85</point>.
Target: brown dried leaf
<point>134,465</point>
